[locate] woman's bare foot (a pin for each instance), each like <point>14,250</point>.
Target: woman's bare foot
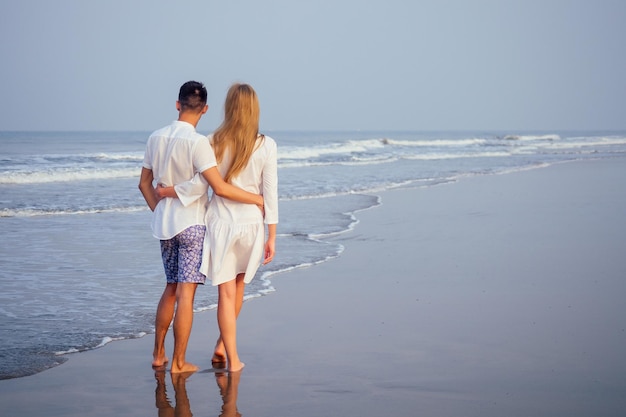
<point>236,367</point>
<point>219,353</point>
<point>185,367</point>
<point>158,362</point>
<point>218,359</point>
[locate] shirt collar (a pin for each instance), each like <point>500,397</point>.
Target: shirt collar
<point>184,124</point>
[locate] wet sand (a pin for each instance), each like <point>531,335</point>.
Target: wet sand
<point>495,295</point>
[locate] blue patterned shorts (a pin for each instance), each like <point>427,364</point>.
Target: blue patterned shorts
<point>182,256</point>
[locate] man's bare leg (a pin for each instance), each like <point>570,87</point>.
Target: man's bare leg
<point>160,395</point>
<point>183,407</point>
<point>219,354</point>
<point>227,320</point>
<point>182,327</point>
<point>164,315</point>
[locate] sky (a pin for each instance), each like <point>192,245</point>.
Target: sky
<point>317,65</point>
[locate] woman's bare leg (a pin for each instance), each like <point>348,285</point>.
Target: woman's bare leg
<point>227,320</point>
<point>219,354</point>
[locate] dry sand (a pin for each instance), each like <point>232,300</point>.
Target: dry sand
<point>493,296</point>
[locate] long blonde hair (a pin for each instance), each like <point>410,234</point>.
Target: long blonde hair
<point>240,129</point>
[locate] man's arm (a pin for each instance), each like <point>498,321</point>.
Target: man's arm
<point>187,192</point>
<point>229,191</point>
<point>145,186</point>
<point>163,191</point>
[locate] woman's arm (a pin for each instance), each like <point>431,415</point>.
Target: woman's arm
<point>229,191</point>
<point>270,244</point>
<point>270,195</point>
<point>187,190</point>
<point>270,182</point>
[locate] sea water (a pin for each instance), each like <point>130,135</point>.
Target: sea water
<point>79,267</point>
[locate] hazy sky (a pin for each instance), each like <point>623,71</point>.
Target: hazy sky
<point>316,65</point>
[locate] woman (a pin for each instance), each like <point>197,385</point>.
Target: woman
<point>234,242</point>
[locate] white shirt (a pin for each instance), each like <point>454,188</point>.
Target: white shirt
<point>235,234</point>
<point>174,154</point>
<point>260,176</point>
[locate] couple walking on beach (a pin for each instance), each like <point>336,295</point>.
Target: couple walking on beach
<point>221,238</point>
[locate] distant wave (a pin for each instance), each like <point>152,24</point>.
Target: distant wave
<point>310,152</point>
<point>386,159</point>
<point>587,142</point>
<point>532,137</point>
<point>66,174</point>
<point>363,146</point>
<point>436,143</point>
<point>436,156</point>
<point>137,157</point>
<point>51,168</point>
<point>354,161</point>
<point>45,212</point>
<point>77,158</point>
<point>48,168</point>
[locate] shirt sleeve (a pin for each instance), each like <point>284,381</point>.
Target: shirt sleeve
<point>147,157</point>
<point>203,156</point>
<point>190,191</point>
<point>270,183</point>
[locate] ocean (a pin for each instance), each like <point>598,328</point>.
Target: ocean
<point>79,267</point>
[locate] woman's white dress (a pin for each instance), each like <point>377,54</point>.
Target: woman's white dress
<point>235,236</point>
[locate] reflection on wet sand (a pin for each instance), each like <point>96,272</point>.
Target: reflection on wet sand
<point>228,384</point>
<point>182,408</point>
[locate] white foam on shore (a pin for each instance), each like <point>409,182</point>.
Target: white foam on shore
<point>105,341</point>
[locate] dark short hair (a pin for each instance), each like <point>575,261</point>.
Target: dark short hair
<point>192,96</point>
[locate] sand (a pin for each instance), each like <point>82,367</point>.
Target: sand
<point>494,296</point>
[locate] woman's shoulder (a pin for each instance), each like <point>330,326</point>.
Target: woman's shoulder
<point>267,141</point>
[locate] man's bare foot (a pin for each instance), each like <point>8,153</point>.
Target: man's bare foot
<point>178,379</point>
<point>236,367</point>
<point>186,367</point>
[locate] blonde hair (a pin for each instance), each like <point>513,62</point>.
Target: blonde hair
<point>240,129</point>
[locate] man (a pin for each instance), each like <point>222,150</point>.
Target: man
<point>174,154</point>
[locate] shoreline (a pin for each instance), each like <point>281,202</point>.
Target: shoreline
<point>492,295</point>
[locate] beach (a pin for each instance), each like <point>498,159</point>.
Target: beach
<point>492,295</point>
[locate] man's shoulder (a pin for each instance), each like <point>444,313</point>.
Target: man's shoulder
<point>164,131</point>
<point>199,136</point>
<point>179,130</point>
<point>186,131</point>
